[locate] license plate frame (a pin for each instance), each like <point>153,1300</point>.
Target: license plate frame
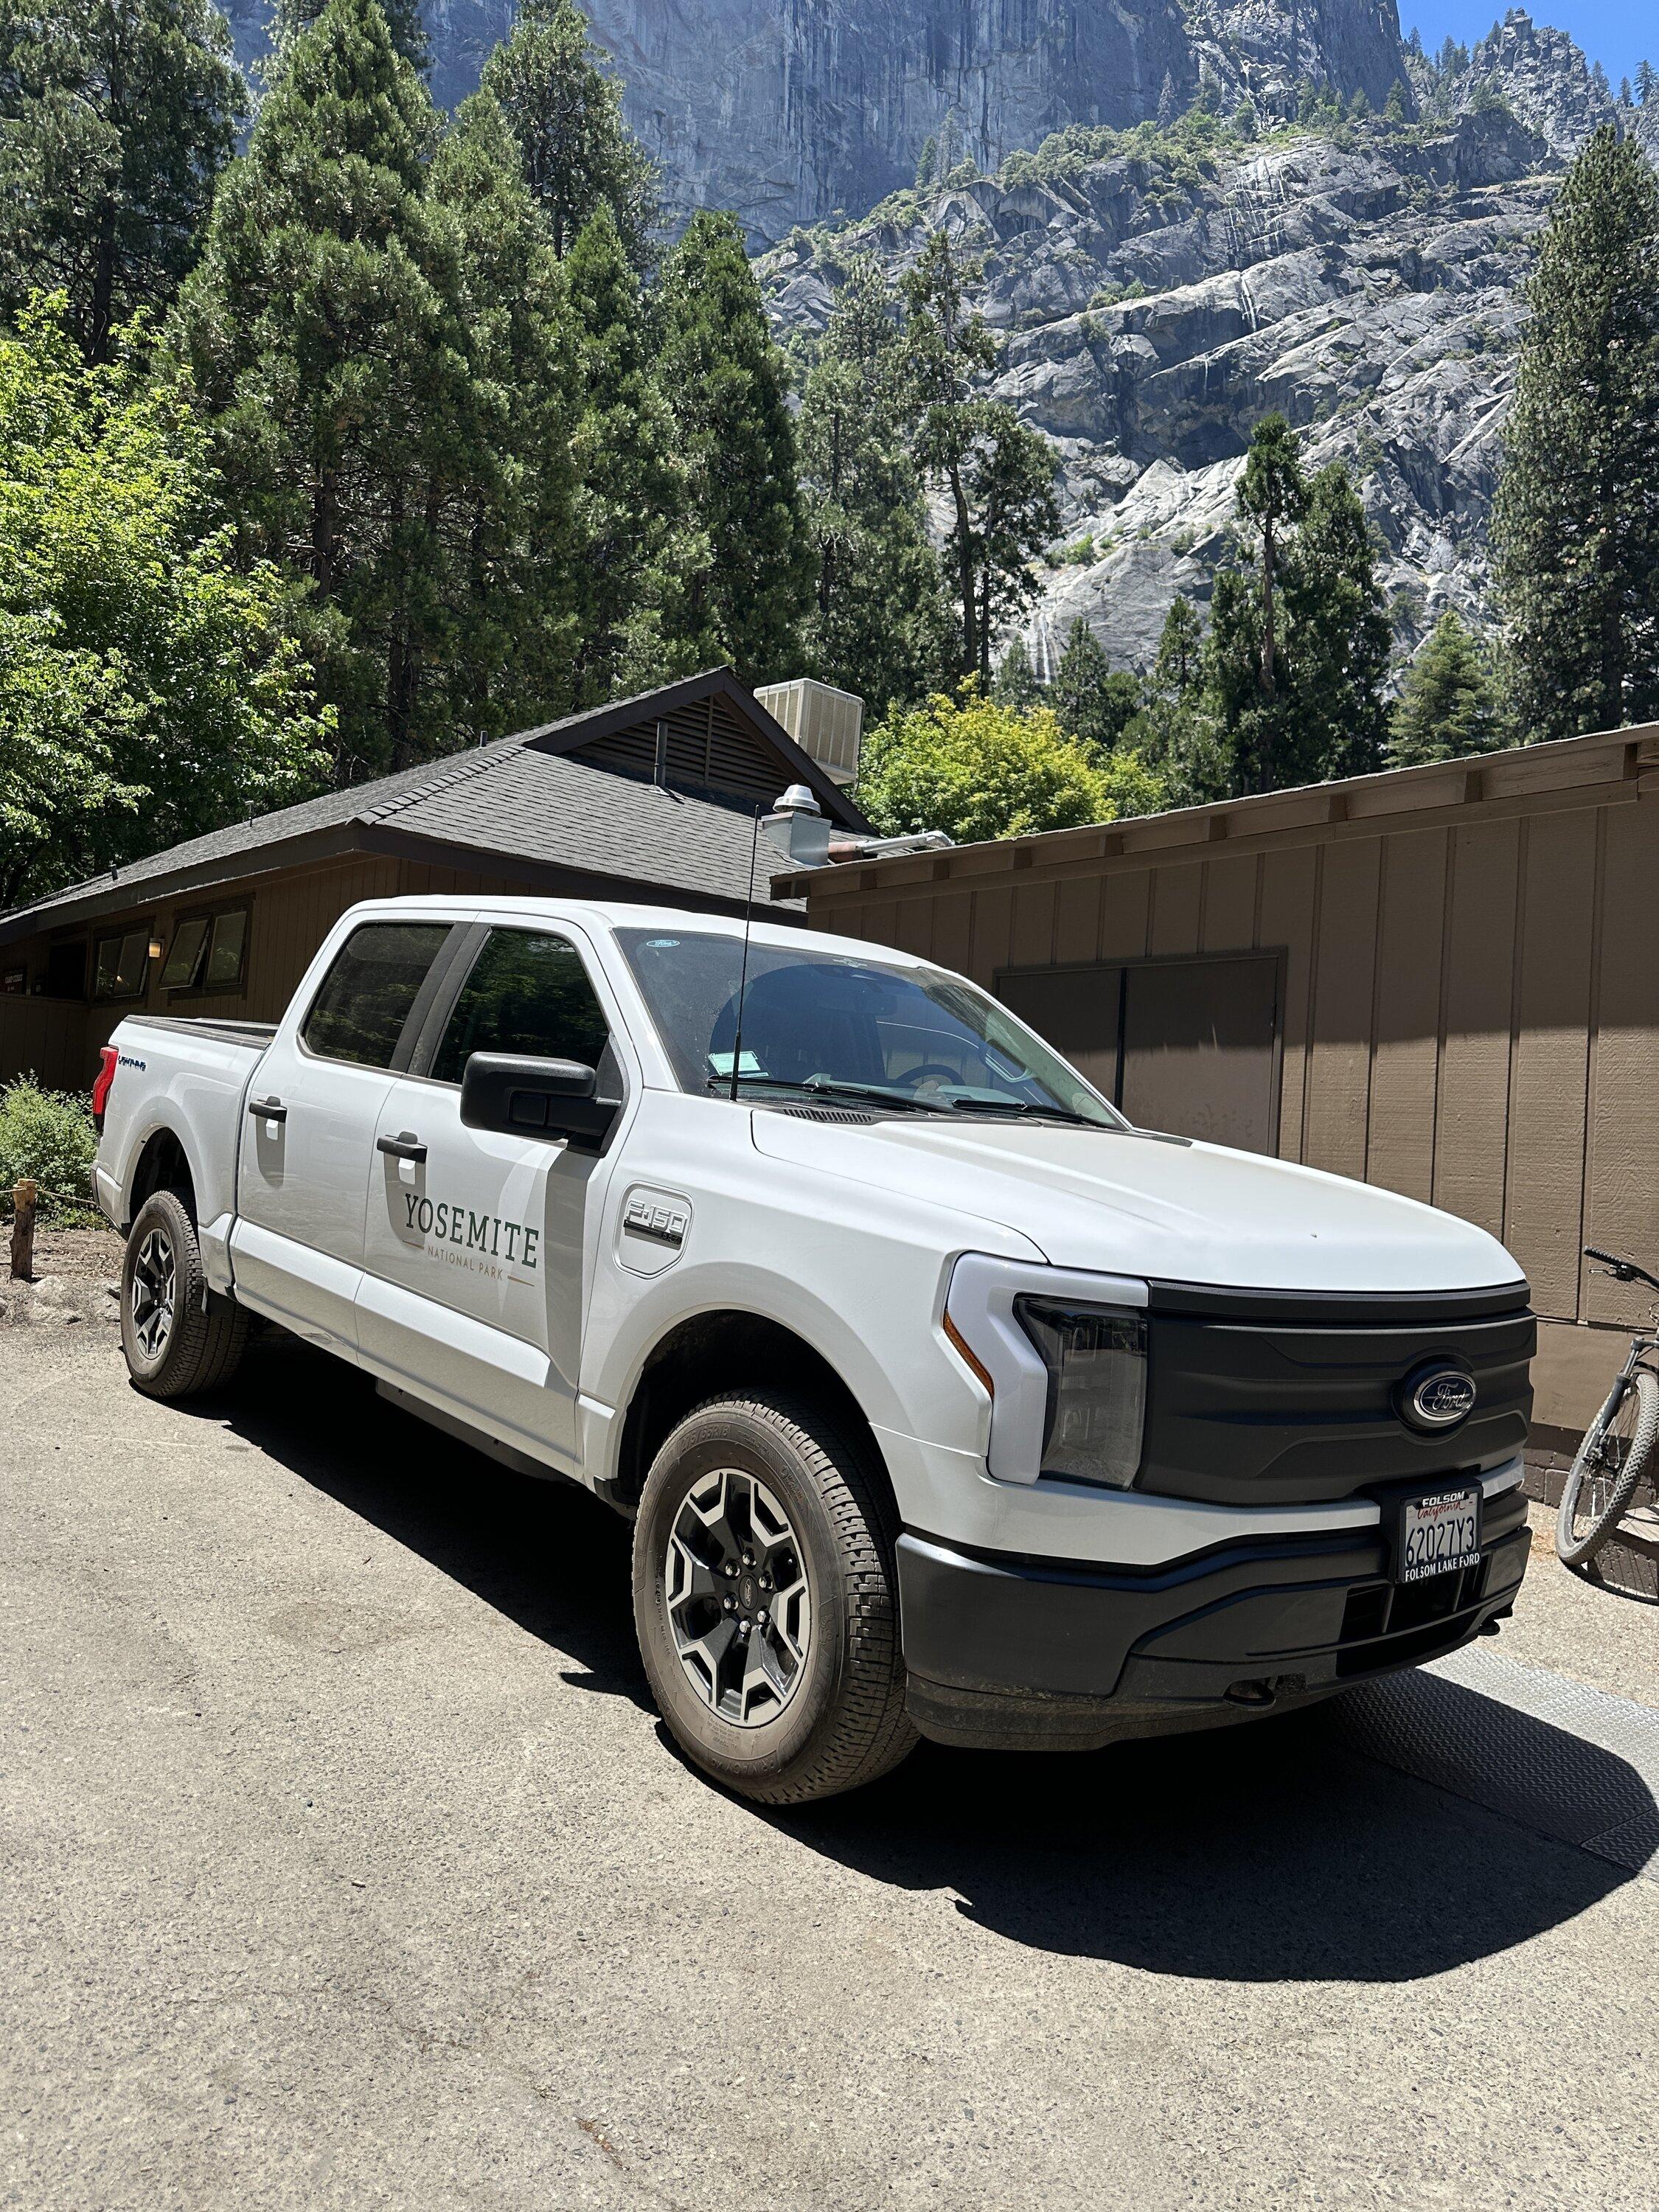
<point>1437,1532</point>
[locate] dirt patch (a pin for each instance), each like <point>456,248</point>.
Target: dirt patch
<point>77,1278</point>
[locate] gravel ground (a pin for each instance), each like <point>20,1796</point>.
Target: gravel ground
<point>344,1863</point>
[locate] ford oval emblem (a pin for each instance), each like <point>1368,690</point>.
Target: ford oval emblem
<point>1437,1397</point>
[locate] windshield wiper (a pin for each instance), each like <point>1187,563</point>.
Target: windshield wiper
<point>1025,1106</point>
<point>819,1086</point>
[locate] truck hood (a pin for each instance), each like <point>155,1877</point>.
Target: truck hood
<point>1138,1205</point>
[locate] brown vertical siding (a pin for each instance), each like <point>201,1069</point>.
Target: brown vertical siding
<point>1469,1009</point>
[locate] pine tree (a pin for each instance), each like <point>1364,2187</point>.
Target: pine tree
<point>927,163</point>
<point>565,106</point>
<point>997,475</point>
<point>1447,707</point>
<point>1576,520</point>
<point>375,342</point>
<point>116,118</point>
<point>1337,636</point>
<point>292,18</point>
<point>1178,733</point>
<point>1394,109</point>
<point>1273,495</point>
<point>1015,683</point>
<point>1178,666</point>
<point>1167,109</point>
<point>1647,82</point>
<point>1092,701</point>
<point>878,623</point>
<point>643,561</point>
<point>727,383</point>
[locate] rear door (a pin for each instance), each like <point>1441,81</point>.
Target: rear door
<point>473,1289</point>
<point>309,1125</point>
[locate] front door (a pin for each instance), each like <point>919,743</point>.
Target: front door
<point>297,1245</point>
<point>472,1289</point>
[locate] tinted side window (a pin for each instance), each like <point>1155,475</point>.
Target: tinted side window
<point>528,993</point>
<point>359,1013</point>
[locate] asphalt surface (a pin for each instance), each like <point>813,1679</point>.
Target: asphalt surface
<point>344,1863</point>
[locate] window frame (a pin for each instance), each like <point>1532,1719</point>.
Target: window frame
<point>211,916</point>
<point>97,998</point>
<point>416,1019</point>
<point>424,1052</point>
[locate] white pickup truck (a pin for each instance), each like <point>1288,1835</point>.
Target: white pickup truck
<point>944,1401</point>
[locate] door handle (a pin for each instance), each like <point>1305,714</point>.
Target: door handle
<point>401,1148</point>
<point>267,1109</point>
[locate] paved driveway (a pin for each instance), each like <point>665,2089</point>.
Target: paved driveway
<point>345,1865</point>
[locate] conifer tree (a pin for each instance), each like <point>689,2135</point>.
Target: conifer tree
<point>727,383</point>
<point>997,475</point>
<point>1446,707</point>
<point>373,343</point>
<point>1337,636</point>
<point>1092,701</point>
<point>564,104</point>
<point>403,20</point>
<point>642,572</point>
<point>1178,664</point>
<point>878,623</point>
<point>1576,521</point>
<point>116,118</point>
<point>1016,682</point>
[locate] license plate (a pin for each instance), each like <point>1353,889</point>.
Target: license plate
<point>1439,1535</point>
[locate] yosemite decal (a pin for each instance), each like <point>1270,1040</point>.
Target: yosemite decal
<point>468,1239</point>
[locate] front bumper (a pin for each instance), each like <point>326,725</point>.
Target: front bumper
<point>1021,1653</point>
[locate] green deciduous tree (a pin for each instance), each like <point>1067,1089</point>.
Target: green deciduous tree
<point>149,688</point>
<point>559,93</point>
<point>977,769</point>
<point>878,623</point>
<point>726,384</point>
<point>116,117</point>
<point>1576,521</point>
<point>1447,707</point>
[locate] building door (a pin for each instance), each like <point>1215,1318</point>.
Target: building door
<point>1189,1046</point>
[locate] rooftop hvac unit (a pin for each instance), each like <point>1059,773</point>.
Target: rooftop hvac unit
<point>826,724</point>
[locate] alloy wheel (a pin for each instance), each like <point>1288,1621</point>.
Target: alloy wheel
<point>738,1599</point>
<point>154,1291</point>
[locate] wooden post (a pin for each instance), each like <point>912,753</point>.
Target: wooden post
<point>22,1232</point>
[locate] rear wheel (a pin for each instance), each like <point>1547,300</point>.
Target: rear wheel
<point>764,1595</point>
<point>174,1348</point>
<point>1616,1452</point>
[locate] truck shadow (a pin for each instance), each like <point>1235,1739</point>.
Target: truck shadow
<point>1278,1851</point>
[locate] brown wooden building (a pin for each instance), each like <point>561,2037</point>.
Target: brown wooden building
<point>1441,979</point>
<point>652,799</point>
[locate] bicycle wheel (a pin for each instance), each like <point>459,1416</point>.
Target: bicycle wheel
<point>1614,1457</point>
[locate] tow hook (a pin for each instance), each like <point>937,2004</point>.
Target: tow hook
<point>1253,1693</point>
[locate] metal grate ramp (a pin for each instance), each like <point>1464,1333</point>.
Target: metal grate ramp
<point>1550,1755</point>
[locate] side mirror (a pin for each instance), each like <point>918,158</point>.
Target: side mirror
<point>525,1097</point>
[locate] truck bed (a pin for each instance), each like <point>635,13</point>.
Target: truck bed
<point>255,1036</point>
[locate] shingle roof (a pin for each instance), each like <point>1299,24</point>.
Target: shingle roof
<point>512,799</point>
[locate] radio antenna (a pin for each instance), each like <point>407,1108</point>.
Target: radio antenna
<point>742,976</point>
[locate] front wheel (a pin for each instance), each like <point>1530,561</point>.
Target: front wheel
<point>764,1596</point>
<point>1617,1450</point>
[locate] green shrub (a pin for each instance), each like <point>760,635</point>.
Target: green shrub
<point>47,1134</point>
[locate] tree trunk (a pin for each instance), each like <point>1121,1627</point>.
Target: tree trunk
<point>965,572</point>
<point>1267,670</point>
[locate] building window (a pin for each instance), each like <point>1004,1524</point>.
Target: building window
<point>120,965</point>
<point>66,970</point>
<point>208,951</point>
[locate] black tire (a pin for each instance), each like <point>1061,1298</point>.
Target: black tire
<point>839,1720</point>
<point>184,1349</point>
<point>1612,1461</point>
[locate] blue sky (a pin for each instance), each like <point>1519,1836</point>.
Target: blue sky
<point>1615,32</point>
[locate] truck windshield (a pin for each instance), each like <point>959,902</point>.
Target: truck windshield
<point>817,1024</point>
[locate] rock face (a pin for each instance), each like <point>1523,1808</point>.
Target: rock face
<point>1370,293</point>
<point>793,111</point>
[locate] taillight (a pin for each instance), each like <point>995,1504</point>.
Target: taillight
<point>102,1083</point>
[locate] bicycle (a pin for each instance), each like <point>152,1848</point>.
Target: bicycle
<point>1618,1444</point>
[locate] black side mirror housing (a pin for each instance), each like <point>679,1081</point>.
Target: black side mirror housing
<point>525,1097</point>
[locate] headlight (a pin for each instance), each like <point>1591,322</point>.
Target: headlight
<point>1096,1357</point>
<point>1062,1355</point>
